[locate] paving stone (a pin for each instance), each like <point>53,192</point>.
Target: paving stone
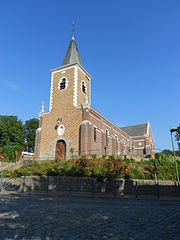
<point>39,217</point>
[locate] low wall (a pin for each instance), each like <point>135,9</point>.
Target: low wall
<point>79,186</point>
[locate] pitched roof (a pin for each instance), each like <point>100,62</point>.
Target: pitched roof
<point>72,54</point>
<point>136,130</point>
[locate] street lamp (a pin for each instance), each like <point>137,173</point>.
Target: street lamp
<point>178,137</point>
<point>26,145</point>
<point>174,155</point>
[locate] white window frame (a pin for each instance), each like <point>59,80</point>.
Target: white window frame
<point>58,130</point>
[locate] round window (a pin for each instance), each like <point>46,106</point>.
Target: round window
<point>60,130</point>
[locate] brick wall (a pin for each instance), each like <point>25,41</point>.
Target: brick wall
<point>125,145</point>
<point>68,104</point>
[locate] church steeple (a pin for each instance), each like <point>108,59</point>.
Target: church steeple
<point>42,110</point>
<point>72,54</point>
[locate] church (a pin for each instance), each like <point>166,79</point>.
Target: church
<point>72,127</point>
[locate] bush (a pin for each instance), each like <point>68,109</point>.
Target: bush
<point>101,169</point>
<point>3,157</point>
<point>111,157</point>
<point>12,152</point>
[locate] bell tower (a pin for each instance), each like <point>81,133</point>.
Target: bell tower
<point>70,93</point>
<point>70,83</point>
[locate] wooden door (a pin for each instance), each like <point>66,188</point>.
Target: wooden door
<point>60,150</point>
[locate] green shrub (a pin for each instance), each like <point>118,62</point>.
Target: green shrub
<point>111,157</point>
<point>101,168</point>
<point>126,160</point>
<point>6,173</point>
<point>13,152</point>
<point>137,173</point>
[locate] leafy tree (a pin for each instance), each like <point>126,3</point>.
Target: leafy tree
<point>29,129</point>
<point>167,152</point>
<point>11,131</point>
<point>11,136</point>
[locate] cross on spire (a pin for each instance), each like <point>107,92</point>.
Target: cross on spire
<point>73,30</point>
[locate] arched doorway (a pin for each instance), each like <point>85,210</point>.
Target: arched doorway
<point>60,150</point>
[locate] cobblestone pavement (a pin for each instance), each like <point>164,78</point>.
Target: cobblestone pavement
<point>36,217</point>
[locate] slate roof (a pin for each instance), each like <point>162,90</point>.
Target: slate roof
<point>72,54</point>
<point>136,130</point>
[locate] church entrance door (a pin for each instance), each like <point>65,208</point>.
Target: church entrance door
<point>60,150</point>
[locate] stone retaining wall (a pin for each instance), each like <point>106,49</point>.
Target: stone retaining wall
<point>79,186</point>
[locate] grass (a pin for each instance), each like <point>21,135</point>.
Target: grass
<point>100,168</point>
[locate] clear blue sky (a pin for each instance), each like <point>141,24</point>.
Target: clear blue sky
<point>130,47</point>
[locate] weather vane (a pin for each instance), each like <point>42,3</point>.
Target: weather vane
<point>73,29</point>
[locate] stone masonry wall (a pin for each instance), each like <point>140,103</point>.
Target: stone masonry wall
<point>79,186</point>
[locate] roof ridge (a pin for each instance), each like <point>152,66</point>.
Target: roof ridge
<point>135,125</point>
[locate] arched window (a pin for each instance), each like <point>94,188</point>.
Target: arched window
<point>62,83</point>
<point>107,139</point>
<point>83,87</point>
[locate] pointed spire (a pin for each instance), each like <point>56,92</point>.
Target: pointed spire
<point>42,107</point>
<point>72,54</point>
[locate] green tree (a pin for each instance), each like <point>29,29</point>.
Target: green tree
<point>30,127</point>
<point>11,136</point>
<point>167,152</point>
<point>11,131</point>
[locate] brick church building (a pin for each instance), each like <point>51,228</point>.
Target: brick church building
<point>73,127</point>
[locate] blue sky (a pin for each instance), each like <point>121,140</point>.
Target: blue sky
<point>131,48</point>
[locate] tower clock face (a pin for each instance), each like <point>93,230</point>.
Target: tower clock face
<point>61,130</point>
